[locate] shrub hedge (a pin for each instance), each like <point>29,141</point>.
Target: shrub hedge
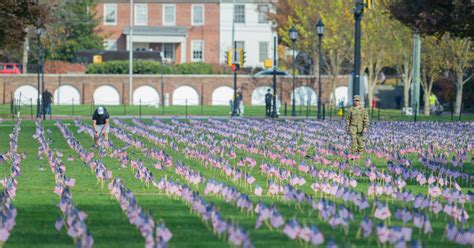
<point>149,67</point>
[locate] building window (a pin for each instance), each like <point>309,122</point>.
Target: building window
<point>263,51</point>
<point>141,14</point>
<point>169,14</point>
<point>262,14</point>
<point>110,14</point>
<point>239,13</point>
<point>240,45</point>
<point>110,45</point>
<point>197,49</point>
<point>198,14</point>
<point>168,50</point>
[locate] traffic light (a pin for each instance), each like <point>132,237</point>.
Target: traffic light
<point>228,57</point>
<point>235,67</point>
<point>242,57</point>
<point>370,4</point>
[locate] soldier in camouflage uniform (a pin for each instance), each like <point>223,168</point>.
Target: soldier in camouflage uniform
<point>357,123</point>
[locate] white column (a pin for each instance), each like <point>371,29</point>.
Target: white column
<point>183,51</point>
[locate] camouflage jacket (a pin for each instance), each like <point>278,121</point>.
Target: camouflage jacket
<point>357,117</point>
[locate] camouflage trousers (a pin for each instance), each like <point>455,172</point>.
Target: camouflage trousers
<point>357,140</point>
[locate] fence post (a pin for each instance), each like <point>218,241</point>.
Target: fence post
<point>307,113</point>
<point>452,111</point>
<point>300,110</point>
<point>416,112</point>
<point>286,113</point>
<point>124,109</point>
<point>140,109</point>
<point>31,108</point>
<point>378,114</point>
<point>72,106</point>
<point>186,108</point>
<point>324,112</point>
<point>343,112</point>
<point>460,111</point>
<point>330,111</point>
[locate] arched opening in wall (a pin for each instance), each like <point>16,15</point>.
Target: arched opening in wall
<point>26,94</point>
<point>222,95</point>
<point>305,96</point>
<point>106,95</point>
<point>258,95</point>
<point>67,95</point>
<point>185,93</point>
<point>341,93</point>
<point>148,96</point>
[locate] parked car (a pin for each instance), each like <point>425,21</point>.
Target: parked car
<point>9,68</point>
<point>269,72</point>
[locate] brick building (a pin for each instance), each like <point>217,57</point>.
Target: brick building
<point>186,31</point>
<point>189,30</point>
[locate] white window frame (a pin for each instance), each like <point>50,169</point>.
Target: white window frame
<point>135,15</point>
<point>106,6</point>
<point>260,51</point>
<point>108,43</point>
<point>192,14</point>
<point>164,15</point>
<point>193,44</point>
<point>263,13</point>
<point>234,12</point>
<point>173,52</point>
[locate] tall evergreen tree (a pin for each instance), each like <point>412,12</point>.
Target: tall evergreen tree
<point>76,23</point>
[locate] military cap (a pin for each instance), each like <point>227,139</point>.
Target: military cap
<point>356,98</point>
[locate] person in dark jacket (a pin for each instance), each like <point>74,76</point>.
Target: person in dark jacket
<point>100,122</point>
<point>268,103</point>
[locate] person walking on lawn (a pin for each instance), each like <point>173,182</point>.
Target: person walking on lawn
<point>357,124</point>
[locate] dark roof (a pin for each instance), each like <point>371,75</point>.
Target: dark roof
<point>158,31</point>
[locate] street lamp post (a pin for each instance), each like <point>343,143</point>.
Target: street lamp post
<point>293,37</point>
<point>358,13</point>
<point>39,31</point>
<point>320,31</point>
<point>275,61</point>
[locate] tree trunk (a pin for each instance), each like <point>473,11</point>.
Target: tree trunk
<point>427,103</point>
<point>406,86</point>
<point>459,87</point>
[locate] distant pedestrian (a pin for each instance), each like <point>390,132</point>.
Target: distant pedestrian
<point>398,100</point>
<point>240,103</point>
<point>433,101</point>
<point>47,100</point>
<point>357,124</point>
<point>100,122</point>
<point>268,103</point>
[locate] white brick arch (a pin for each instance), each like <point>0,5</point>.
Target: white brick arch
<point>222,95</point>
<point>26,94</point>
<point>185,93</point>
<point>147,94</point>
<point>305,96</point>
<point>341,93</point>
<point>258,95</point>
<point>106,95</point>
<point>66,94</point>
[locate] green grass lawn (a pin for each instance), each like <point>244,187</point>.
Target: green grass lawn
<point>249,111</point>
<point>109,226</point>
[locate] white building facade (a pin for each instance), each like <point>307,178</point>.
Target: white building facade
<point>252,30</point>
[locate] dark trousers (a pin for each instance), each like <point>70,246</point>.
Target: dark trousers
<point>268,109</point>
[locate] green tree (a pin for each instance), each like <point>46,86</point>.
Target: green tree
<point>458,57</point>
<point>76,25</point>
<point>432,66</point>
<point>402,58</point>
<point>337,39</point>
<point>377,45</point>
<point>16,16</point>
<point>435,17</point>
